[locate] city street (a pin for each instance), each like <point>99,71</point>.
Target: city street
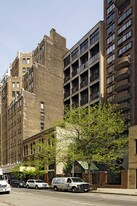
<point>32,197</point>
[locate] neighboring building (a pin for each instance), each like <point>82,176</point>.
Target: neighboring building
<point>120,52</point>
<point>84,69</point>
<point>132,168</point>
<point>121,73</point>
<point>11,87</point>
<point>33,100</point>
<point>29,150</point>
<point>21,64</point>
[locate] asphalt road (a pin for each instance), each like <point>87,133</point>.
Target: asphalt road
<point>32,197</point>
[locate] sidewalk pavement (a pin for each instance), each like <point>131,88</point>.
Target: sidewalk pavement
<point>116,191</point>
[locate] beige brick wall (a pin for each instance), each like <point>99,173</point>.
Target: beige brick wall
<point>132,173</point>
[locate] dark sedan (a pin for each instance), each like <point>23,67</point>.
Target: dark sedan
<point>17,183</point>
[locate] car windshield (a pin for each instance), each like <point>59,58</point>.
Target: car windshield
<point>76,179</point>
<point>38,181</point>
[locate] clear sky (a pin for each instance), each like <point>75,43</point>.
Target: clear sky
<point>23,23</point>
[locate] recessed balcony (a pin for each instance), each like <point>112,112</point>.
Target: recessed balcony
<point>122,85</point>
<point>122,63</point>
<point>122,96</point>
<point>124,106</point>
<point>119,3</point>
<point>122,74</point>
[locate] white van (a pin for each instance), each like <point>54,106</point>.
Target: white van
<point>74,184</point>
<point>4,186</point>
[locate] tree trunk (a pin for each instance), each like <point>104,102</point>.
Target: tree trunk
<point>89,173</point>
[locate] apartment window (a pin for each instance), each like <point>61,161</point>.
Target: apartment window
<point>110,79</point>
<point>124,27</point>
<point>110,8</point>
<point>42,125</point>
<point>74,54</point>
<point>13,93</point>
<point>67,61</point>
<point>111,59</point>
<point>125,15</point>
<point>109,1</point>
<point>13,84</point>
<point>124,49</point>
<point>124,38</point>
<point>42,105</point>
<point>110,49</point>
<point>23,69</point>
<point>110,70</point>
<point>110,18</point>
<point>42,116</point>
<point>24,60</point>
<point>110,28</point>
<point>94,37</point>
<point>110,89</point>
<point>110,99</point>
<point>110,39</point>
<point>18,84</point>
<point>28,60</point>
<point>84,46</point>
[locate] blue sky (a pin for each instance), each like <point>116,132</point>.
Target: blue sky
<point>24,23</point>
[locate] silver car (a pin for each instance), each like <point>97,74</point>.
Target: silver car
<point>37,184</point>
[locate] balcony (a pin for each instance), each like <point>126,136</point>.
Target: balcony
<point>119,3</point>
<point>122,85</point>
<point>122,63</point>
<point>122,74</point>
<point>122,96</point>
<point>124,106</point>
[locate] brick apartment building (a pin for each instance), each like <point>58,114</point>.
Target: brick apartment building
<point>120,18</point>
<point>28,96</point>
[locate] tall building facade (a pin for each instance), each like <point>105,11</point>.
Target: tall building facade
<point>120,51</point>
<point>120,18</point>
<point>31,107</point>
<point>84,70</point>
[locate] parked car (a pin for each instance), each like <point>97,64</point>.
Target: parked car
<point>37,184</point>
<point>74,184</point>
<point>17,183</point>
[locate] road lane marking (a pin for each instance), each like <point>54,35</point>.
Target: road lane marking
<point>84,203</point>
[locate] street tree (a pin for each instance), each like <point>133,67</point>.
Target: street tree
<point>96,134</point>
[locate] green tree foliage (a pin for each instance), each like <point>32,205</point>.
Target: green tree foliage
<point>96,133</point>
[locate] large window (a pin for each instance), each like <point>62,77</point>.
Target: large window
<point>84,46</point>
<point>94,37</point>
<point>124,27</point>
<point>66,61</point>
<point>110,39</point>
<point>110,28</point>
<point>110,18</point>
<point>125,15</point>
<point>110,8</point>
<point>125,37</point>
<point>124,49</point>
<point>110,49</point>
<point>110,79</point>
<point>111,59</point>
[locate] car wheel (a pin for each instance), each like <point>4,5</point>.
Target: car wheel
<point>36,187</point>
<point>55,188</point>
<point>74,189</point>
<point>27,186</point>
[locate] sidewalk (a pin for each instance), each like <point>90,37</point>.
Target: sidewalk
<point>116,191</point>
